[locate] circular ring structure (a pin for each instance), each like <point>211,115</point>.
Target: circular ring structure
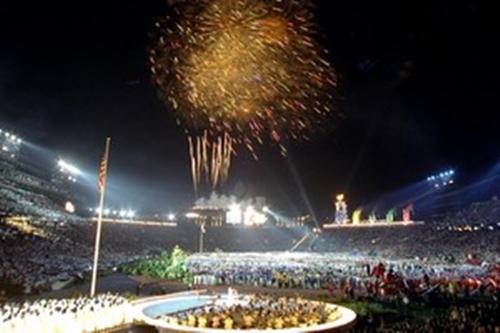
<point>148,310</point>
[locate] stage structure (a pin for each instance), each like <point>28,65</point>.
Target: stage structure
<point>160,313</point>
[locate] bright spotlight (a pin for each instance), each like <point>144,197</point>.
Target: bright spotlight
<point>66,167</point>
<point>265,209</point>
<point>192,215</point>
<point>252,217</point>
<point>171,217</point>
<point>233,216</point>
<point>69,207</point>
<point>106,211</point>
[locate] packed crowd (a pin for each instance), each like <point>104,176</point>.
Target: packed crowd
<point>257,312</point>
<point>479,317</point>
<point>18,173</point>
<point>23,193</point>
<point>16,200</point>
<point>63,251</point>
<point>35,259</point>
<point>427,242</point>
<point>76,315</point>
<point>348,274</point>
<point>485,213</point>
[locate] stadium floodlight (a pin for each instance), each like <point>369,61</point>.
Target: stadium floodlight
<point>106,211</point>
<point>69,207</point>
<point>259,218</point>
<point>171,217</point>
<point>252,217</point>
<point>192,215</point>
<point>122,213</point>
<point>233,216</point>
<point>5,148</point>
<point>66,167</point>
<point>130,214</point>
<point>19,140</point>
<point>265,209</point>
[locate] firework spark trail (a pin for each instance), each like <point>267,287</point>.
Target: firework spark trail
<point>224,159</point>
<point>193,165</point>
<point>198,159</point>
<point>217,169</point>
<point>217,160</point>
<point>205,157</point>
<point>213,168</point>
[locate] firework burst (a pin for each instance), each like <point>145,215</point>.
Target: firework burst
<point>247,69</point>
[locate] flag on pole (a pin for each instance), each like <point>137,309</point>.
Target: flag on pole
<point>102,173</point>
<point>101,184</point>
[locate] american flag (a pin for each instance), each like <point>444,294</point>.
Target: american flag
<point>102,173</point>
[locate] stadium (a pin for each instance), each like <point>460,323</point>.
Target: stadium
<point>47,252</point>
<point>264,224</point>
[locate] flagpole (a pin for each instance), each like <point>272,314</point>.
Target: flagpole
<point>99,219</point>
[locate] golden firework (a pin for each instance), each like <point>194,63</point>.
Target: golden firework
<point>247,69</point>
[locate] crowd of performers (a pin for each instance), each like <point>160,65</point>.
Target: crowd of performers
<point>346,275</point>
<point>82,314</point>
<point>257,312</point>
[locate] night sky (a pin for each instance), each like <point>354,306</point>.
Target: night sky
<point>418,93</point>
